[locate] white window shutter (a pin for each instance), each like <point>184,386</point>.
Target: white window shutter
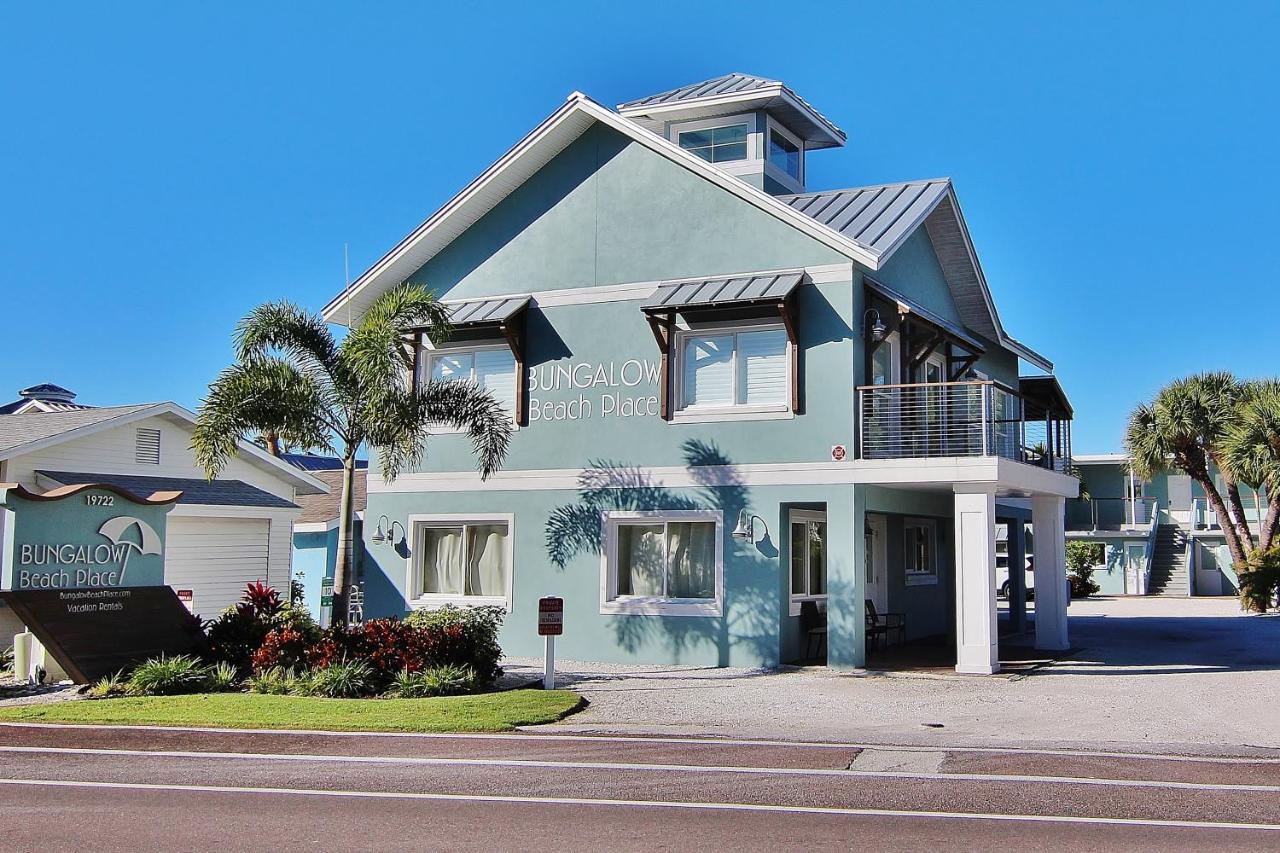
<point>707,378</point>
<point>762,367</point>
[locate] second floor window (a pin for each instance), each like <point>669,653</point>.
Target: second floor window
<point>734,369</point>
<point>784,154</point>
<point>717,144</point>
<point>491,368</point>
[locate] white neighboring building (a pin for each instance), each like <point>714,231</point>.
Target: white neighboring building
<point>222,534</point>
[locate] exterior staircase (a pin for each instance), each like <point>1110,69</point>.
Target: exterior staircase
<point>1169,563</point>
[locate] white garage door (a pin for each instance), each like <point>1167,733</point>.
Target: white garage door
<point>215,558</point>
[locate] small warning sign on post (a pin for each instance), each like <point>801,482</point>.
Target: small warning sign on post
<point>550,616</point>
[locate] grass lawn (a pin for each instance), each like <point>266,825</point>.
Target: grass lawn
<point>488,712</point>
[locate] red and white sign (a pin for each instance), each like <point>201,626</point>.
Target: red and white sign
<point>188,598</point>
<point>550,616</point>
<point>838,453</point>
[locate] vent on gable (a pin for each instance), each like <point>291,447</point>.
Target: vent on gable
<point>147,446</point>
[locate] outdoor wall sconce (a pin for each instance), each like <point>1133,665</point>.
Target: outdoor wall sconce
<point>381,535</point>
<point>877,329</point>
<point>746,526</point>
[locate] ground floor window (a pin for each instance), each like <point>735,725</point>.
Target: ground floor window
<point>808,557</point>
<point>460,560</point>
<point>920,557</point>
<point>663,563</point>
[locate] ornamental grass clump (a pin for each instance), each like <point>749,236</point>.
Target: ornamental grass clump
<point>342,680</point>
<point>169,676</point>
<point>108,687</point>
<point>448,680</point>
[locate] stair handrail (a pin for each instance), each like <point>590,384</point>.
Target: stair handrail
<point>1149,556</point>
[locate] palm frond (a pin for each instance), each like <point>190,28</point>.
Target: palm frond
<point>267,395</point>
<point>398,424</point>
<point>284,327</point>
<point>378,352</point>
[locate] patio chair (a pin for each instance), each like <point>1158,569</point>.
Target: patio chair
<point>813,625</point>
<point>880,624</point>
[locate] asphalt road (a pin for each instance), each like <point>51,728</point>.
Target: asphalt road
<point>103,788</point>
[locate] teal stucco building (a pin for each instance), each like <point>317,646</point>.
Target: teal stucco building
<point>744,409</point>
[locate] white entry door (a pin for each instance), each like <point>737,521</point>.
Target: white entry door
<point>876,560</point>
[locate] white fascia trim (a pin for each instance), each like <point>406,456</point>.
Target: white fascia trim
<point>983,472</point>
<point>316,526</point>
<point>148,410</point>
<point>580,103</point>
<point>1099,458</point>
<point>634,290</point>
<point>224,511</point>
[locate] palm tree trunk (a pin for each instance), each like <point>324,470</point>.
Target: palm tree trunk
<point>1236,506</point>
<point>1229,530</point>
<point>1267,533</point>
<point>342,560</point>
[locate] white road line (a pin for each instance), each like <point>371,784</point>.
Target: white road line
<point>697,741</point>
<point>642,767</point>
<point>658,804</point>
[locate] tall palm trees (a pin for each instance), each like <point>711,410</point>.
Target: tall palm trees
<point>1252,450</point>
<point>293,382</point>
<point>1185,427</point>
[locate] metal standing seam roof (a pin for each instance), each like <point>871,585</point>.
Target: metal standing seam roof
<point>727,84</point>
<point>473,312</point>
<point>877,217</point>
<point>728,290</point>
<point>924,313</point>
<point>195,490</point>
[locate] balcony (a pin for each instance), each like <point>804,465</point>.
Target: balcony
<point>1110,514</point>
<point>969,418</point>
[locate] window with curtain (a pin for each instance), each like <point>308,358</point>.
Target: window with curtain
<point>463,560</point>
<point>491,368</point>
<point>729,369</point>
<point>919,555</point>
<point>672,559</point>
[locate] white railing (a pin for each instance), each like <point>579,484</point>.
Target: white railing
<point>977,418</point>
<point>1204,517</point>
<point>1110,514</point>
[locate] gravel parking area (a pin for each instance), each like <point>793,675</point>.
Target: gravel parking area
<point>1186,675</point>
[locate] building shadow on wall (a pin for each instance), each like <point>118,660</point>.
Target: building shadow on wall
<point>750,622</point>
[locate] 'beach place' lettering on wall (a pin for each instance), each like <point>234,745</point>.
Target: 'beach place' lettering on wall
<point>64,565</point>
<point>606,389</point>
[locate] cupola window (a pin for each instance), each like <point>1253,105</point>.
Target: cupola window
<point>717,144</point>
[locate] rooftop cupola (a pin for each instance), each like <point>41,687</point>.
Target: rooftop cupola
<point>48,393</point>
<point>751,127</point>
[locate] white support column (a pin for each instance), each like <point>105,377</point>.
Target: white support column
<point>977,641</point>
<point>1050,541</point>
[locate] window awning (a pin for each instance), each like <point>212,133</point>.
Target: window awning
<point>727,292</point>
<point>482,312</point>
<point>908,306</point>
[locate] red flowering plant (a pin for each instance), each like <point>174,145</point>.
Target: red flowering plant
<point>240,631</point>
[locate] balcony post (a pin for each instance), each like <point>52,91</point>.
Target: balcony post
<point>1050,545</point>
<point>986,404</point>
<point>977,643</point>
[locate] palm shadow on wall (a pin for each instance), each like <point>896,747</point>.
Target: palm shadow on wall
<point>752,614</point>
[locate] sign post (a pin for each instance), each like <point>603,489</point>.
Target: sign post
<point>550,625</point>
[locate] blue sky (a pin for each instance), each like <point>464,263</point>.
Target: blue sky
<point>165,167</point>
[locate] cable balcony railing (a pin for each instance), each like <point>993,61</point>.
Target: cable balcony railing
<point>971,418</point>
<point>1091,514</point>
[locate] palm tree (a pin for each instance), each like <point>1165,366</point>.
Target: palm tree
<point>293,381</point>
<point>1252,451</point>
<point>1186,424</point>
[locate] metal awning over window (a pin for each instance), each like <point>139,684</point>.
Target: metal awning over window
<point>736,296</point>
<point>496,317</point>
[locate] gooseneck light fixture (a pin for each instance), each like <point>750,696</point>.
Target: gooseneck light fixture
<point>876,328</point>
<point>387,533</point>
<point>746,528</point>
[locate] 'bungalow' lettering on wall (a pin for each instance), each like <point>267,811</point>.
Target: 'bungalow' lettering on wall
<point>616,388</point>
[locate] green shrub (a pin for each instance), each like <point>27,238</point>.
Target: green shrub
<point>462,636</point>
<point>239,631</point>
<point>109,686</point>
<point>221,677</point>
<point>1260,580</point>
<point>1082,557</point>
<point>275,680</point>
<point>342,680</point>
<point>168,676</point>
<point>446,680</point>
